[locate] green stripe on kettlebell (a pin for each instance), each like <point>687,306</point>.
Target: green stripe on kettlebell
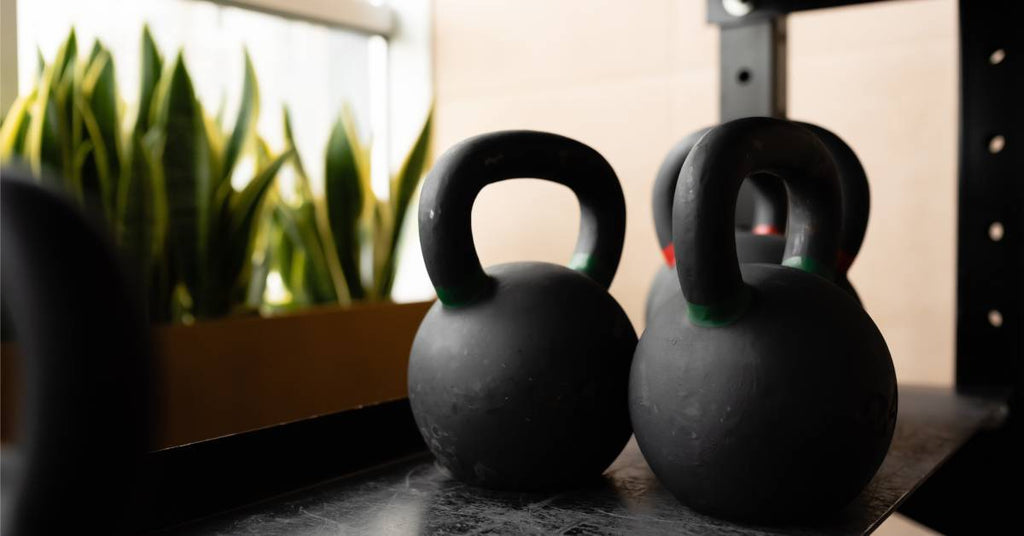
<point>581,262</point>
<point>720,314</point>
<point>463,294</point>
<point>809,265</point>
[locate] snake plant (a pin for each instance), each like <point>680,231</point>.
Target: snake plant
<point>161,181</point>
<point>314,246</point>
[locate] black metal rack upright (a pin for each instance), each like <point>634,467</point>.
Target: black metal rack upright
<point>990,265</point>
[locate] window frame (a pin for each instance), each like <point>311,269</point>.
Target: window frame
<point>355,15</point>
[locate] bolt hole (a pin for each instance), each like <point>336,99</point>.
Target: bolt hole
<point>996,144</point>
<point>995,231</point>
<point>743,76</point>
<point>997,56</point>
<point>995,318</point>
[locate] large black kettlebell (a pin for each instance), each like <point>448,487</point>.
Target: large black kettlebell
<point>518,375</point>
<point>85,358</point>
<point>763,243</point>
<point>767,393</point>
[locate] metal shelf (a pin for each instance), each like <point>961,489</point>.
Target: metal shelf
<point>414,497</point>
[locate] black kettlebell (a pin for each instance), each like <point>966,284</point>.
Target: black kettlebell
<point>518,375</point>
<point>85,362</point>
<point>764,242</point>
<point>768,393</point>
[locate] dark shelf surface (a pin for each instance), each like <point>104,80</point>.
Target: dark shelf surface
<point>413,497</point>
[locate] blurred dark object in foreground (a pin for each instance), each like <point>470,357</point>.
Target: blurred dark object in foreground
<point>86,369</point>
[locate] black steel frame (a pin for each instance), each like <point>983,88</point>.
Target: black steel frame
<point>990,254</point>
<point>719,13</point>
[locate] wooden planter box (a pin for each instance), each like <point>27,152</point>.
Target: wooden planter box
<point>235,375</point>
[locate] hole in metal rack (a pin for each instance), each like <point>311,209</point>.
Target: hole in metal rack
<point>996,231</point>
<point>997,56</point>
<point>995,318</point>
<point>743,76</point>
<point>996,144</point>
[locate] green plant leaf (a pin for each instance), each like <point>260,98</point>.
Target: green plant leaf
<point>185,159</point>
<point>289,140</point>
<point>300,225</point>
<point>163,276</point>
<point>242,209</point>
<point>404,183</point>
<point>262,256</point>
<point>245,123</point>
<point>15,128</point>
<point>67,54</point>
<point>93,173</point>
<point>283,251</point>
<point>152,65</point>
<point>40,64</point>
<point>262,151</point>
<point>215,138</point>
<point>403,187</point>
<point>138,218</point>
<point>82,154</point>
<point>245,203</point>
<point>297,280</point>
<point>311,227</point>
<point>67,72</point>
<point>222,105</point>
<point>42,148</point>
<point>99,90</point>
<point>345,195</point>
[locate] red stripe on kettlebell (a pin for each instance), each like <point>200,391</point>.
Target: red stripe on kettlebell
<point>765,229</point>
<point>669,252</point>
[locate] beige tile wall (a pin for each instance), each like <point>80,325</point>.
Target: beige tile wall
<point>631,77</point>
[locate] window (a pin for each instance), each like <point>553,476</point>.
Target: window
<point>315,56</point>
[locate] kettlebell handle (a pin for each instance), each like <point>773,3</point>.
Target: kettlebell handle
<point>665,189</point>
<point>705,206</point>
<point>769,199</point>
<point>855,193</point>
<point>854,189</point>
<point>451,187</point>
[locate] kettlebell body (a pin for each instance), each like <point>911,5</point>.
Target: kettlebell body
<point>525,406</point>
<point>761,392</point>
<point>518,376</point>
<point>771,434</point>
